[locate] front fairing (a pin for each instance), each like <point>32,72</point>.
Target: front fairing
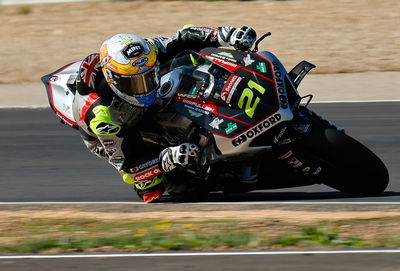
<point>258,103</point>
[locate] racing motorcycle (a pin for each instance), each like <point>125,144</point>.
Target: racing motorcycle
<point>253,128</point>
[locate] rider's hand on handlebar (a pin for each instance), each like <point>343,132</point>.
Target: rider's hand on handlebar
<point>181,155</point>
<point>243,38</point>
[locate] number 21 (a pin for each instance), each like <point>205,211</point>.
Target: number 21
<point>248,95</point>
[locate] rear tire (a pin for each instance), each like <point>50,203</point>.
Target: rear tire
<point>347,164</point>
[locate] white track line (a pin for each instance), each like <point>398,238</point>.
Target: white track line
<point>206,203</point>
<point>186,254</point>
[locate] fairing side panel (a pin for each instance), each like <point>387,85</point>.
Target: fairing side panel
<point>59,95</point>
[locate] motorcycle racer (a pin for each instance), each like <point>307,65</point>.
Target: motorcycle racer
<point>118,85</point>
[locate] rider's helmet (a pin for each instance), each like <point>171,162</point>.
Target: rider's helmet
<point>130,66</point>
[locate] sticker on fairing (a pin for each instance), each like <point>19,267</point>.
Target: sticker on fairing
<point>231,127</point>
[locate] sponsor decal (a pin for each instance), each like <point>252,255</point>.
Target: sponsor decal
<point>210,108</point>
<point>224,56</point>
<point>66,108</point>
<point>294,162</point>
<point>261,67</point>
<point>196,109</point>
<point>106,128</point>
<point>257,129</point>
<point>284,141</point>
<point>195,114</point>
<point>204,108</point>
<point>117,162</point>
<point>111,151</point>
<point>227,54</point>
<point>140,62</point>
<point>286,155</point>
<point>317,171</point>
<point>230,87</point>
<point>108,142</point>
<point>132,50</point>
<point>148,174</point>
<point>144,184</point>
<point>278,137</point>
<point>53,78</point>
<point>105,60</point>
<point>186,95</point>
<point>232,126</point>
<point>280,85</point>
<point>222,62</point>
<point>145,165</point>
<point>190,102</point>
<point>215,123</point>
<point>247,60</point>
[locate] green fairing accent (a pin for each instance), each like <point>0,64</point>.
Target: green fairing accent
<point>194,61</point>
<point>155,47</point>
<point>187,26</point>
<point>156,180</point>
<point>127,178</point>
<point>102,115</point>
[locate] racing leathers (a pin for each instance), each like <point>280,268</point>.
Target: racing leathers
<point>108,125</point>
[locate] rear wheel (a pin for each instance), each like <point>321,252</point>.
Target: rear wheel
<point>347,165</point>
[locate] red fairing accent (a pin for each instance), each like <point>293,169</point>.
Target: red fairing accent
<point>93,97</point>
<point>226,64</point>
<point>230,87</point>
<point>152,196</point>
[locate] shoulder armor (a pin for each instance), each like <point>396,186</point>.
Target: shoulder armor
<point>88,71</point>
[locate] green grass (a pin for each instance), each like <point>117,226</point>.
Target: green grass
<point>24,10</point>
<point>316,236</point>
<point>165,236</point>
<point>81,235</point>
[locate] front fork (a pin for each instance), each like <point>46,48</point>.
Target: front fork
<point>285,145</point>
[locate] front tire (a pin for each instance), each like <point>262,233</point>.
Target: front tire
<point>347,165</point>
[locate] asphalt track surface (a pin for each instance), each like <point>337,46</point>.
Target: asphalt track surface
<point>43,160</point>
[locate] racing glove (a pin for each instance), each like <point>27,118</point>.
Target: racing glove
<point>240,38</point>
<point>181,155</point>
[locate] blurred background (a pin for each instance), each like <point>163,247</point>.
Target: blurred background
<point>340,36</point>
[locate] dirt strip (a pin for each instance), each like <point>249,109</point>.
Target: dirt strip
<point>202,212</point>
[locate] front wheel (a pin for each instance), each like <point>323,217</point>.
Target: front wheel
<point>347,165</point>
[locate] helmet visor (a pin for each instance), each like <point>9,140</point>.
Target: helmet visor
<point>139,85</point>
